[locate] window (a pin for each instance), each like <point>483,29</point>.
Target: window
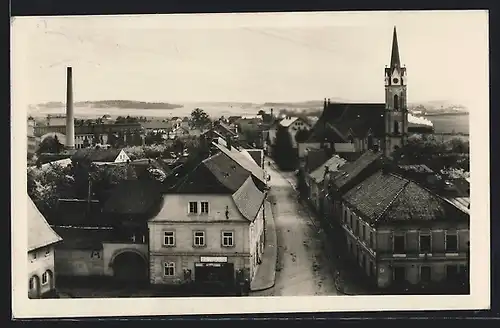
<point>169,269</point>
<point>425,243</point>
<point>357,227</point>
<point>193,207</point>
<point>451,242</point>
<point>399,246</point>
<point>227,239</point>
<point>371,239</point>
<point>425,273</point>
<point>396,102</point>
<point>363,232</point>
<point>399,274</point>
<point>45,278</point>
<point>169,238</point>
<point>396,127</point>
<point>31,283</point>
<point>345,216</point>
<point>199,238</point>
<point>204,207</point>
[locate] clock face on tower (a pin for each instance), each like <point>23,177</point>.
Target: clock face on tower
<point>395,80</point>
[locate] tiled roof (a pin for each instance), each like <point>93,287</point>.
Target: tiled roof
<point>245,162</point>
<point>133,197</point>
<point>96,155</point>
<point>40,234</point>
<point>350,171</point>
<point>387,197</point>
<point>355,118</point>
<point>333,165</point>
<point>201,180</point>
<point>227,171</point>
<point>249,199</point>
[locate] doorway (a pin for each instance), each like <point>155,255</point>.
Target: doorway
<point>214,273</point>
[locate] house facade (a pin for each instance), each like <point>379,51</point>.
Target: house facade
<point>210,230</point>
<point>315,181</point>
<point>292,124</point>
<point>41,242</point>
<point>403,235</point>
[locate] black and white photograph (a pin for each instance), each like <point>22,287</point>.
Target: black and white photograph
<point>250,163</point>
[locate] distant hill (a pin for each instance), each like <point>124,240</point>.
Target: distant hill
<point>128,104</point>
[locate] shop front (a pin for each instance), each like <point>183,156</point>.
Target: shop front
<point>214,270</point>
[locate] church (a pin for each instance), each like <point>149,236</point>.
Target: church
<point>357,127</point>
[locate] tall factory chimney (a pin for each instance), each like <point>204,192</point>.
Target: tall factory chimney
<point>70,115</point>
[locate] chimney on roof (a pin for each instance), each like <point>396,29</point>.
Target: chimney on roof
<point>70,115</point>
<point>328,102</point>
<point>324,103</point>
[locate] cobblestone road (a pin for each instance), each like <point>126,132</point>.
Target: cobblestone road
<point>303,268</point>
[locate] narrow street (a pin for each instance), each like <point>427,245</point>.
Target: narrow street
<point>303,268</point>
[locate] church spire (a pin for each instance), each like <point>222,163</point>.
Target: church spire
<point>395,62</point>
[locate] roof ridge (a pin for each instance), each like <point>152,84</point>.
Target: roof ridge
<point>393,200</point>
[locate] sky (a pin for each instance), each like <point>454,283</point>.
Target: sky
<point>251,57</point>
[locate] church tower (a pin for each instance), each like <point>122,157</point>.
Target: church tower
<point>396,110</point>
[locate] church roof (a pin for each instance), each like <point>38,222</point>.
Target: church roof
<point>341,119</point>
<point>395,61</point>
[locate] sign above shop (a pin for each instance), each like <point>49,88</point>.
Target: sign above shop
<point>213,259</point>
<point>205,265</point>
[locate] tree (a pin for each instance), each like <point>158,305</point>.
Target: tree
<point>86,142</point>
<point>47,186</point>
<point>95,139</point>
<point>301,135</point>
<point>50,144</point>
<point>284,153</point>
<point>199,119</point>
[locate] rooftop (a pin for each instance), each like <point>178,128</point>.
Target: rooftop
<point>287,121</point>
<point>386,197</point>
<point>357,119</point>
<point>350,171</point>
<point>333,165</point>
<point>249,199</point>
<point>96,155</point>
<point>245,162</point>
<point>40,234</point>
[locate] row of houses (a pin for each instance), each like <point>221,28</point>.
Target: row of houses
<point>101,133</point>
<point>403,226</point>
<point>207,227</point>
